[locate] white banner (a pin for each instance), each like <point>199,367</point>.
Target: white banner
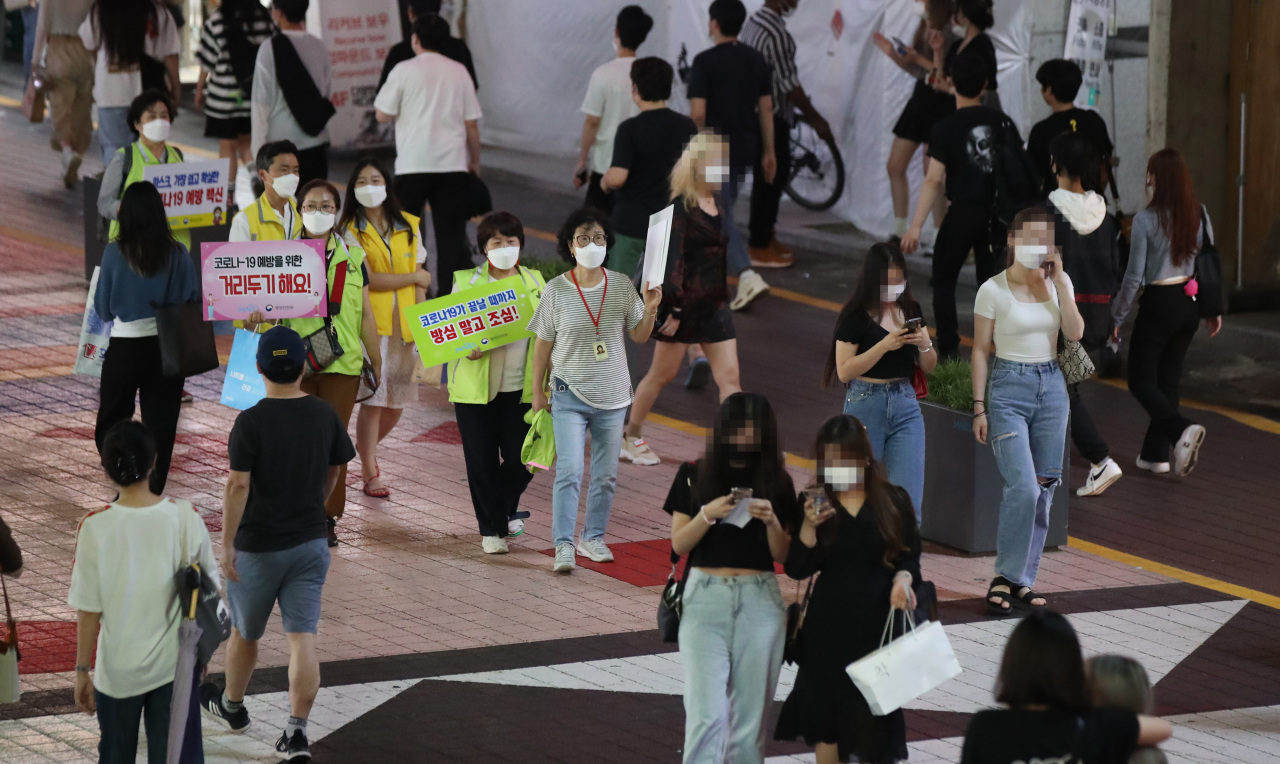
<point>358,34</point>
<point>1087,45</point>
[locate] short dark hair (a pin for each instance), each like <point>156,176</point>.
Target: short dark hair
<point>145,240</point>
<point>499,223</point>
<point>633,26</point>
<point>143,102</point>
<point>970,74</point>
<point>269,151</point>
<point>420,8</point>
<point>1062,77</point>
<point>978,11</point>
<point>1042,665</point>
<point>432,31</point>
<point>1075,156</point>
<point>730,15</point>
<point>324,183</point>
<point>281,374</point>
<point>128,452</point>
<point>295,11</point>
<point>652,77</point>
<point>577,219</point>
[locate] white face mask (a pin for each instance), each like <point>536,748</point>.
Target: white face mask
<point>891,292</point>
<point>590,256</point>
<point>615,45</point>
<point>285,185</point>
<point>371,196</point>
<point>1030,255</point>
<point>717,173</point>
<point>156,130</point>
<point>958,30</point>
<point>842,478</point>
<point>318,223</point>
<point>504,258</point>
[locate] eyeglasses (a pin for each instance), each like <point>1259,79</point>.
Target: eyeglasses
<point>329,208</point>
<point>584,240</point>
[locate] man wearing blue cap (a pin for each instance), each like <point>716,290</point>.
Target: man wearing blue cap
<point>285,456</point>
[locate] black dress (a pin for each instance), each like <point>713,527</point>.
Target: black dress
<point>695,284</point>
<point>844,622</point>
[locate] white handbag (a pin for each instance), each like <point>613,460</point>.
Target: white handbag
<point>905,668</point>
<point>9,689</point>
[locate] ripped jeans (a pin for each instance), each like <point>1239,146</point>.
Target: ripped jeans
<point>1027,416</point>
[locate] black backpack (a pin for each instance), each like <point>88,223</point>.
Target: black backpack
<point>1017,180</point>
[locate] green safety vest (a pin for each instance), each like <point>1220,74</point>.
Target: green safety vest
<point>349,318</point>
<point>135,163</point>
<point>469,380</point>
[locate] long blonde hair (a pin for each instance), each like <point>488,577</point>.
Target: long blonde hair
<point>685,175</point>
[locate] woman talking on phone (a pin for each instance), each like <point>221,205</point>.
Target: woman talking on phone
<point>729,514</point>
<point>1024,415</point>
<point>859,532</point>
<point>880,342</point>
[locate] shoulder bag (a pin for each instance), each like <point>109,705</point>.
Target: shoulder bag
<point>1073,359</point>
<point>301,93</point>
<point>1208,294</point>
<point>671,605</point>
<point>187,347</point>
<point>323,347</point>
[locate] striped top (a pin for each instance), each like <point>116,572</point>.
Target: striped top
<point>767,33</point>
<point>562,319</point>
<point>223,96</point>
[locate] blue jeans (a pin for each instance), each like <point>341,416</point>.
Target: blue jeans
<point>572,419</point>
<point>732,631</point>
<point>1027,415</point>
<point>895,426</point>
<point>118,726</point>
<point>736,255</point>
<point>29,18</point>
<point>113,131</point>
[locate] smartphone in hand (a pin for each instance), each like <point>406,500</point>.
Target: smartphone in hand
<point>913,324</point>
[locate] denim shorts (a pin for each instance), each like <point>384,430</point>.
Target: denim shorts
<point>294,577</point>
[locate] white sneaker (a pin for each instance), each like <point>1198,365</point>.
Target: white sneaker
<point>594,550</point>
<point>638,452</point>
<point>515,527</point>
<point>564,559</point>
<point>1101,476</point>
<point>1187,450</point>
<point>750,287</point>
<point>494,544</point>
<point>1158,468</point>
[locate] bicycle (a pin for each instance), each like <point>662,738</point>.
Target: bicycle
<point>817,169</point>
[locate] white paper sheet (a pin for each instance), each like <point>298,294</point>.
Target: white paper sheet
<point>655,248</point>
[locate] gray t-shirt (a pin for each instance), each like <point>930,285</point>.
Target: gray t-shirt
<point>562,318</point>
<point>1151,260</point>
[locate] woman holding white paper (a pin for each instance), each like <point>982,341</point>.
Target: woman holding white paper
<point>861,535</point>
<point>694,308</point>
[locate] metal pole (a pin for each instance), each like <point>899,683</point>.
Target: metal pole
<point>1244,111</point>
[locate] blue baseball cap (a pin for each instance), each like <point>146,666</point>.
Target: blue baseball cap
<point>281,349</point>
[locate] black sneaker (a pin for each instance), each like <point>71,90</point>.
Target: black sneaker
<point>293,748</point>
<point>333,532</point>
<point>212,707</point>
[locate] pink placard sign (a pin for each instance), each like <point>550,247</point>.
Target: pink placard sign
<point>283,279</point>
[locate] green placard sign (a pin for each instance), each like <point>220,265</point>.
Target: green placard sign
<point>484,317</point>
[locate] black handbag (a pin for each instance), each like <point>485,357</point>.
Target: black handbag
<point>795,623</point>
<point>479,200</point>
<point>1209,299</point>
<point>187,347</point>
<point>671,605</point>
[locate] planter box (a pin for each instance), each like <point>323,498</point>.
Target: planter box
<point>963,486</point>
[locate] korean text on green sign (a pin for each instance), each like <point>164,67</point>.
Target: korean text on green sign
<point>481,318</point>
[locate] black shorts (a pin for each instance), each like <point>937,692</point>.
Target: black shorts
<point>925,109</point>
<point>698,327</point>
<point>226,129</point>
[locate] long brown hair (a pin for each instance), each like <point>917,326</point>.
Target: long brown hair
<point>866,296</point>
<point>1175,203</point>
<point>851,436</point>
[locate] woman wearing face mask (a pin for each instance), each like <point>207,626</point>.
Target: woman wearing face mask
<point>350,319</point>
<point>732,627</point>
<point>1166,238</point>
<point>862,537</point>
<point>373,221</point>
<point>1021,310</point>
<point>875,354</point>
<point>580,323</point>
<point>972,20</point>
<point>149,116</point>
<point>693,310</point>
<point>491,391</point>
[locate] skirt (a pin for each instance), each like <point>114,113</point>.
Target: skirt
<point>226,129</point>
<point>925,109</point>
<point>397,388</point>
<point>696,328</point>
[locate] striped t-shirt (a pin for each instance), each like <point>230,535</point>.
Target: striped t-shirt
<point>562,319</point>
<point>223,97</point>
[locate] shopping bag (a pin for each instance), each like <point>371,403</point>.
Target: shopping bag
<point>905,668</point>
<point>95,334</point>
<point>10,692</point>
<point>243,385</point>
<point>33,101</point>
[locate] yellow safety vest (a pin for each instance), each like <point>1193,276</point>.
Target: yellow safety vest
<point>265,223</point>
<point>395,254</point>
<point>469,380</point>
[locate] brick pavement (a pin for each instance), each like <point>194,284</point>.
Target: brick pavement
<point>432,649</point>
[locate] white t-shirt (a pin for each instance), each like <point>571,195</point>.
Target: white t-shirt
<point>125,561</point>
<point>113,87</point>
<point>432,98</point>
<point>1026,332</point>
<point>609,98</point>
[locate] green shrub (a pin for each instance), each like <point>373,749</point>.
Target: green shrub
<point>951,385</point>
<point>548,268</point>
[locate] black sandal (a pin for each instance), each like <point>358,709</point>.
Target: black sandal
<point>999,608</point>
<point>1029,594</point>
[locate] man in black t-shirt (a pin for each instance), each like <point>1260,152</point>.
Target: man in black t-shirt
<point>645,149</point>
<point>285,456</point>
<point>964,145</point>
<point>453,48</point>
<point>1060,81</point>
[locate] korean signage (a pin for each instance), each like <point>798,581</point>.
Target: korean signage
<point>1087,45</point>
<point>194,193</point>
<point>283,279</point>
<point>358,35</point>
<point>482,318</point>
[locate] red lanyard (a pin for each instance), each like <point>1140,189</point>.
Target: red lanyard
<point>595,319</point>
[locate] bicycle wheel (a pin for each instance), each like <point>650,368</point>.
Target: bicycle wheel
<point>817,169</point>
